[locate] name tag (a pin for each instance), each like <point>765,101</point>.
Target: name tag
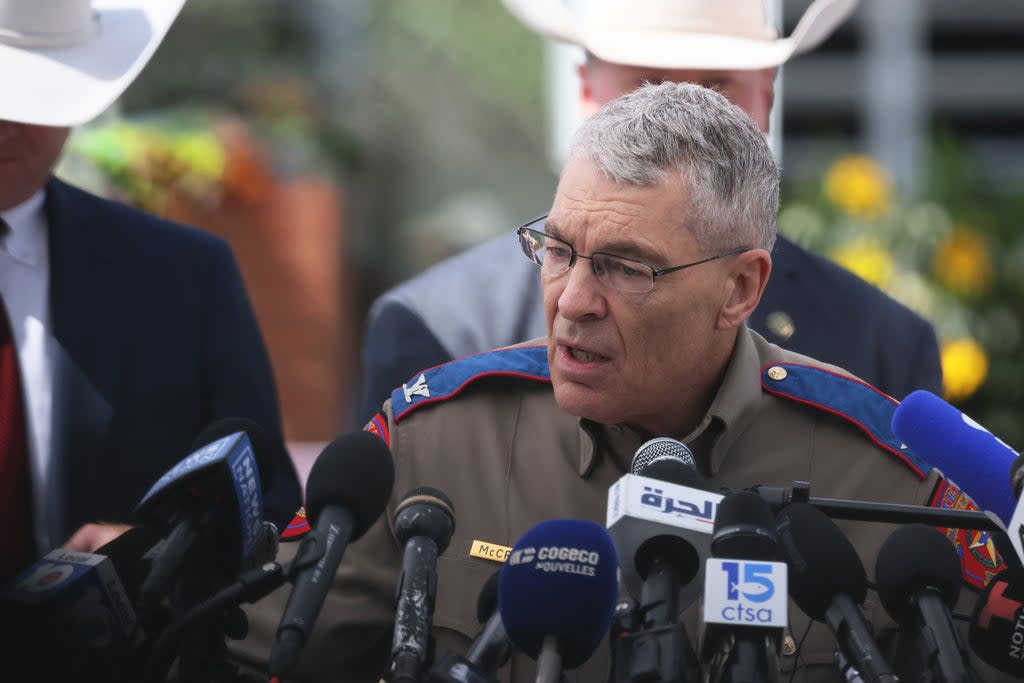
<point>489,551</point>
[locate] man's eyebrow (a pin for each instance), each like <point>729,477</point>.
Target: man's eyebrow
<point>623,248</point>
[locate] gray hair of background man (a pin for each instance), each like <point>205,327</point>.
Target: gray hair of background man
<point>721,155</point>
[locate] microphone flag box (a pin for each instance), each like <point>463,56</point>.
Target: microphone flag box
<point>225,464</point>
<point>745,592</point>
<point>640,508</point>
<point>77,597</point>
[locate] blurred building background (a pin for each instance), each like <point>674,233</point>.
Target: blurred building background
<point>344,146</point>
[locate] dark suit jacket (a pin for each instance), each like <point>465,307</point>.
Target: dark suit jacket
<point>489,296</point>
<point>156,340</point>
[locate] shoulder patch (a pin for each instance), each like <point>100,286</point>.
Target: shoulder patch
<point>378,426</point>
<point>855,401</point>
<point>446,381</point>
<point>979,559</point>
<point>297,528</point>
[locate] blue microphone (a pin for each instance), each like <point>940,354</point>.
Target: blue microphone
<point>960,448</point>
<point>557,592</point>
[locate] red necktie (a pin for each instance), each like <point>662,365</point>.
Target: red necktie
<point>17,548</point>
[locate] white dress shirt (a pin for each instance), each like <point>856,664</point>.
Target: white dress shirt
<point>24,285</point>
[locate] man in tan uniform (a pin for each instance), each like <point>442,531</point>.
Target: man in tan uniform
<point>655,252</point>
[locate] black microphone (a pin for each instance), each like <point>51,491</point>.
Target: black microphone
<point>827,581</point>
<point>743,629</point>
<point>997,626</point>
<point>424,524</point>
<point>488,652</point>
<point>918,577</point>
<point>348,487</point>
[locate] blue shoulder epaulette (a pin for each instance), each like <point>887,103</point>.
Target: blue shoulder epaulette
<point>442,382</point>
<point>855,401</point>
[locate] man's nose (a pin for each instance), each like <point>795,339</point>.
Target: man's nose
<point>582,294</point>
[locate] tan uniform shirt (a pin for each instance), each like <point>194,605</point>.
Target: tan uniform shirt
<point>509,458</point>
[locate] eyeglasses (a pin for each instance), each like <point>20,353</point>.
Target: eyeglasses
<point>626,275</point>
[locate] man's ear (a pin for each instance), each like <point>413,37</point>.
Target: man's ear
<point>766,91</point>
<point>588,106</point>
<point>744,287</point>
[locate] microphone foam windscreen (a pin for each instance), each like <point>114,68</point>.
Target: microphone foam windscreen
<point>995,632</point>
<point>487,601</point>
<point>425,511</point>
<point>744,528</point>
<point>266,448</point>
<point>822,561</point>
<point>561,579</point>
<point>354,472</point>
<point>962,449</point>
<point>660,448</point>
<point>913,558</point>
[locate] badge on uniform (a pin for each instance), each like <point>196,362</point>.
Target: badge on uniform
<point>979,559</point>
<point>378,426</point>
<point>297,528</point>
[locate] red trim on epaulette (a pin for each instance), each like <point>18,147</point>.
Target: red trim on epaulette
<point>297,528</point>
<point>860,425</point>
<point>979,560</point>
<point>378,426</point>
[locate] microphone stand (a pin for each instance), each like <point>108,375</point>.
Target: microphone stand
<point>652,646</point>
<point>893,513</point>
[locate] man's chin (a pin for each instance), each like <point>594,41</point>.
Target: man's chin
<point>585,402</point>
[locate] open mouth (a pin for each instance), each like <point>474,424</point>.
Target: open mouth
<point>585,356</point>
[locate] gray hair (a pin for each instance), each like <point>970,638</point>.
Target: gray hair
<point>719,151</point>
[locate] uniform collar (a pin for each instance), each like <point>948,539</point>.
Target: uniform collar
<point>735,401</point>
<point>737,398</point>
<point>25,243</point>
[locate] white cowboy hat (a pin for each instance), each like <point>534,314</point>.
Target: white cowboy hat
<point>62,62</point>
<point>679,34</point>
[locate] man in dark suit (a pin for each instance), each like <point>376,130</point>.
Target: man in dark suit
<point>487,297</point>
<point>122,335</point>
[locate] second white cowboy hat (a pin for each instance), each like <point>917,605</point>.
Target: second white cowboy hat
<point>680,34</point>
<point>62,62</point>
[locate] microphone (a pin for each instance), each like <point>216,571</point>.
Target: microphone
<point>660,517</point>
<point>827,581</point>
<point>424,524</point>
<point>488,653</point>
<point>75,613</point>
<point>997,625</point>
<point>215,493</point>
<point>918,576</point>
<point>745,600</point>
<point>662,496</point>
<point>959,447</point>
<point>348,487</point>
<point>557,592</point>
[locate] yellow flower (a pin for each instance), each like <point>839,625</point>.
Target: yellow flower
<point>866,257</point>
<point>962,262</point>
<point>859,186</point>
<point>964,368</point>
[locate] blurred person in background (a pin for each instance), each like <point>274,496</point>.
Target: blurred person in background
<point>122,335</point>
<point>811,305</point>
